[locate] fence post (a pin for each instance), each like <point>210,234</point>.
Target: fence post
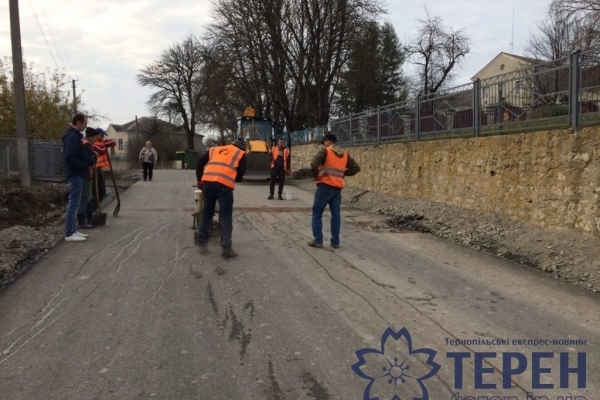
<point>8,161</point>
<point>418,117</point>
<point>574,105</point>
<point>351,134</point>
<point>378,125</point>
<point>477,107</point>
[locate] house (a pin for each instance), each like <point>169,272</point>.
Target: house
<point>137,132</point>
<point>516,88</point>
<point>504,63</point>
<point>497,91</point>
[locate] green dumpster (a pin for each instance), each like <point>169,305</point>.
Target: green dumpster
<point>190,160</point>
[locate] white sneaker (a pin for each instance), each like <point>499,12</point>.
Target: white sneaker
<point>83,235</point>
<point>75,238</point>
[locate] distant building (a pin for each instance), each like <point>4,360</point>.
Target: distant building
<point>514,87</point>
<point>131,134</point>
<point>502,64</point>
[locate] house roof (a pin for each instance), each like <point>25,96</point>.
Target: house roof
<point>504,54</point>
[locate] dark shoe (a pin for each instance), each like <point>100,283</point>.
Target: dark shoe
<point>82,223</point>
<point>229,253</point>
<point>312,243</point>
<point>280,197</point>
<point>270,197</point>
<point>203,249</point>
<point>335,246</point>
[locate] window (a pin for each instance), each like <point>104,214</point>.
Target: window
<point>120,144</point>
<point>112,150</point>
<point>518,84</point>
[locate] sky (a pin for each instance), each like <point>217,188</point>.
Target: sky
<point>104,45</point>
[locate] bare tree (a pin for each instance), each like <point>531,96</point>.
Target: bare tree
<point>560,34</point>
<point>179,81</point>
<point>437,50</point>
<point>288,54</point>
<point>580,8</point>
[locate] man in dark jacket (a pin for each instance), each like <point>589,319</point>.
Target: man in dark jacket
<point>75,171</point>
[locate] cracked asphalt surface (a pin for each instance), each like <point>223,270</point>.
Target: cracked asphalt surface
<point>136,312</point>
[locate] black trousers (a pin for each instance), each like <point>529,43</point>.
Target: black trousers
<point>277,173</point>
<point>93,205</point>
<point>148,171</point>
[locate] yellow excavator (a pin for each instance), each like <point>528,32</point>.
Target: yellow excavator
<point>260,135</point>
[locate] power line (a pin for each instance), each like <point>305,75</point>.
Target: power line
<point>61,39</point>
<point>51,29</point>
<point>43,34</point>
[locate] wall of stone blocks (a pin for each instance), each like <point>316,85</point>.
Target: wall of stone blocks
<point>549,178</point>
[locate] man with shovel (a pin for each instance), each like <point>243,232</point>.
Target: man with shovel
<point>100,147</point>
<point>84,216</point>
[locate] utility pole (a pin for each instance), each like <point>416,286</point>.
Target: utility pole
<point>21,124</point>
<point>74,98</point>
<point>137,136</point>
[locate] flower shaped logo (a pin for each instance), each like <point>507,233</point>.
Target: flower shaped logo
<point>397,371</point>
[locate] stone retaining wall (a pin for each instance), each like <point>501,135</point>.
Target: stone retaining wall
<point>549,178</point>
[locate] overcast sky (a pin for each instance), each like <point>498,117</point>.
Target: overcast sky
<point>104,44</point>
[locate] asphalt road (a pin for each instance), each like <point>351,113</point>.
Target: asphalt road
<point>136,313</point>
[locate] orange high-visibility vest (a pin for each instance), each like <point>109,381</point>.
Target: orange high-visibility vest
<point>275,154</point>
<point>101,147</point>
<point>102,161</point>
<point>222,165</point>
<point>332,172</point>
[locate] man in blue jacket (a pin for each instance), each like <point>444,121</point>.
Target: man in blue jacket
<point>75,171</point>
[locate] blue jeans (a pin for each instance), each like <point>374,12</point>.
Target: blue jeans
<point>213,192</point>
<point>75,185</point>
<point>325,195</point>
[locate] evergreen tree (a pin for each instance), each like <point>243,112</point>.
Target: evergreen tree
<point>373,74</point>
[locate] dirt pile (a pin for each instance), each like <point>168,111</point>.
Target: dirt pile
<point>32,220</point>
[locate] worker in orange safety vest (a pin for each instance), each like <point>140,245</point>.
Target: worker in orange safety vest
<point>217,171</point>
<point>100,147</point>
<point>280,166</point>
<point>329,167</point>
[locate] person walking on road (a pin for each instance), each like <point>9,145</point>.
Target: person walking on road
<point>75,171</point>
<point>280,165</point>
<point>329,167</point>
<point>216,172</point>
<point>148,157</point>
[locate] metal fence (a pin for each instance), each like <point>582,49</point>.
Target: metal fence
<point>558,94</point>
<point>45,159</point>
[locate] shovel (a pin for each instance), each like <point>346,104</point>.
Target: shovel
<point>98,217</point>
<point>118,207</point>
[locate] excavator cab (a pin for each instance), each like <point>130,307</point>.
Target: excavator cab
<point>260,135</point>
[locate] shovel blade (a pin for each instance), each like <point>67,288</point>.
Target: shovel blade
<point>99,219</point>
